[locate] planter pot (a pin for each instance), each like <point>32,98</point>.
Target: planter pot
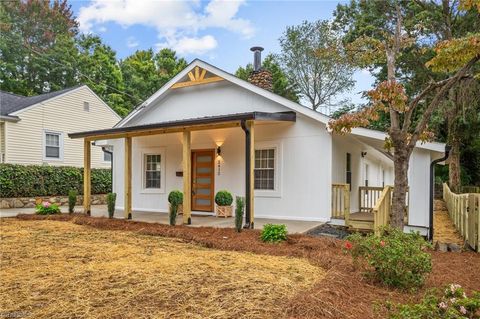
<point>224,211</point>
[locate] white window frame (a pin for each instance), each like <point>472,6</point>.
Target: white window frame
<point>278,165</point>
<point>163,173</point>
<point>61,148</point>
<point>103,157</point>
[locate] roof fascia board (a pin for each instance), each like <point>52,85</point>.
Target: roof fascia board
<point>48,100</point>
<point>9,118</point>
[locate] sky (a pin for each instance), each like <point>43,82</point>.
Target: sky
<point>218,32</point>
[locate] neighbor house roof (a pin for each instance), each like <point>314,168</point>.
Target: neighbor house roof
<point>11,103</point>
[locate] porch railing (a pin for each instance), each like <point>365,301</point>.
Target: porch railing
<point>368,198</point>
<point>340,200</point>
<point>382,209</point>
<point>464,211</point>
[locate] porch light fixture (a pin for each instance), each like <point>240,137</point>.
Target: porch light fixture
<point>364,154</point>
<point>219,151</point>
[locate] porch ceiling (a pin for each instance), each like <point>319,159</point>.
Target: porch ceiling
<point>201,123</point>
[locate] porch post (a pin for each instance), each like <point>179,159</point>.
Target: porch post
<point>187,179</point>
<point>248,127</point>
<point>128,179</point>
<point>86,176</point>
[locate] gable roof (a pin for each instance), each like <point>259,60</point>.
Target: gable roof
<point>11,103</point>
<point>322,118</point>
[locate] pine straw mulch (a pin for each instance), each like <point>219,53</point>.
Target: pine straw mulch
<point>51,269</point>
<point>445,231</point>
<point>342,293</point>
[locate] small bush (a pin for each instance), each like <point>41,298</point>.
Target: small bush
<point>47,208</point>
<point>223,198</point>
<point>111,199</point>
<point>176,197</point>
<point>394,258</point>
<point>274,233</point>
<point>453,304</point>
<point>72,200</point>
<point>240,204</point>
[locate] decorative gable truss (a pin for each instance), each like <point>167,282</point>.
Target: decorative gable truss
<point>196,77</point>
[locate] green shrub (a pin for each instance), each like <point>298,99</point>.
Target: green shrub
<point>111,199</point>
<point>240,204</point>
<point>394,258</point>
<point>453,304</point>
<point>72,200</point>
<point>224,198</point>
<point>274,233</point>
<point>175,197</point>
<point>40,180</point>
<point>47,208</point>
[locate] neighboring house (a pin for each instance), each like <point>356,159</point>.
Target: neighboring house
<point>33,130</point>
<point>207,130</point>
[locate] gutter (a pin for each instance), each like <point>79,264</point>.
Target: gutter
<point>432,182</point>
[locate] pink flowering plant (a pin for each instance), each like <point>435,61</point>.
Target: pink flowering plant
<point>393,258</point>
<point>452,304</point>
<point>47,208</point>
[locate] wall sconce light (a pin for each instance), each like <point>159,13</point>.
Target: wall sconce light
<point>364,154</point>
<point>219,151</point>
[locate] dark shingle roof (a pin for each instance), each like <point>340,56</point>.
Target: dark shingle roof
<point>10,102</point>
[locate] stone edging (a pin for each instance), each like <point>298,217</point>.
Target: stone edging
<point>30,202</point>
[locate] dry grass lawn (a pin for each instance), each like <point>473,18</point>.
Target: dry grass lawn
<point>53,269</point>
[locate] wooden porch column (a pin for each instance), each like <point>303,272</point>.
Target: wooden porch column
<point>128,179</point>
<point>252,173</point>
<point>187,178</point>
<point>86,176</point>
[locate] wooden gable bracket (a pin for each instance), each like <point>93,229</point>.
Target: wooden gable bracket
<point>197,77</point>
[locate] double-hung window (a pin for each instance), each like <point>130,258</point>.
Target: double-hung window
<point>265,169</point>
<point>53,145</point>
<point>153,171</point>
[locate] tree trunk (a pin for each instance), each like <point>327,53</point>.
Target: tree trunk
<point>399,199</point>
<point>454,166</point>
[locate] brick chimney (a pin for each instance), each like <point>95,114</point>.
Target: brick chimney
<point>259,76</point>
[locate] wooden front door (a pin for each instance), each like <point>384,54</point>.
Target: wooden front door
<point>203,178</point>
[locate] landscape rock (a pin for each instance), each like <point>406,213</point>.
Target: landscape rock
<point>17,203</point>
<point>441,247</point>
<point>454,248</point>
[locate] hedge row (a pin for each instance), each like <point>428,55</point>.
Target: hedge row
<point>39,180</point>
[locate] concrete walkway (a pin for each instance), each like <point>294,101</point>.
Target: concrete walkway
<point>293,226</point>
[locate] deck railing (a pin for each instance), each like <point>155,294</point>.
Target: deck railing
<point>464,210</point>
<point>340,200</point>
<point>368,197</point>
<point>382,209</point>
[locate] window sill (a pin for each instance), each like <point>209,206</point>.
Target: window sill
<point>52,159</point>
<point>152,191</point>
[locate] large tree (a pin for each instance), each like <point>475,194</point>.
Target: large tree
<point>313,58</point>
<point>389,33</point>
<point>281,85</point>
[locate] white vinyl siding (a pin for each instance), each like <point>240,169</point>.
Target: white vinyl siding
<point>61,114</point>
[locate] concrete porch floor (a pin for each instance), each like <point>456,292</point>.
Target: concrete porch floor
<point>293,226</point>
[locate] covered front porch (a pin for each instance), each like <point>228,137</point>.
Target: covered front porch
<point>185,166</point>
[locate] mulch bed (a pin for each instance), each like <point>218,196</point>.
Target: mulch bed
<point>343,293</point>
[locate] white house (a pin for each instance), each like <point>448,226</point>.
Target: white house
<point>33,130</point>
<point>207,130</point>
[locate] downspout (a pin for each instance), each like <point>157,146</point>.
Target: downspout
<point>247,173</point>
<point>432,183</point>
<point>111,165</point>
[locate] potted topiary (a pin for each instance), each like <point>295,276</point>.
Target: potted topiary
<point>224,200</point>
<point>175,198</point>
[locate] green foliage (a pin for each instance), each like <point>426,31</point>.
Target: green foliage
<point>394,258</point>
<point>39,180</point>
<point>111,199</point>
<point>175,197</point>
<point>223,198</point>
<point>313,58</point>
<point>454,304</point>
<point>72,200</point>
<point>240,204</point>
<point>281,85</point>
<point>272,233</point>
<point>47,208</point>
